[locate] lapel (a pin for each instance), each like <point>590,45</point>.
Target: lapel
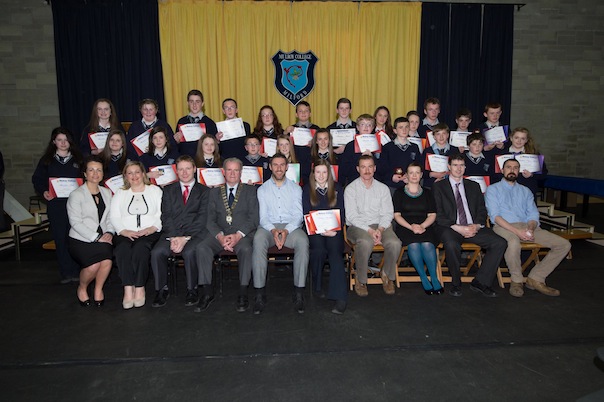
<point>92,210</point>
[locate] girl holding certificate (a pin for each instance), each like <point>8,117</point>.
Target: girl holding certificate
<point>522,143</point>
<point>149,109</point>
<point>161,151</point>
<point>285,146</point>
<point>102,119</point>
<point>321,147</point>
<point>415,213</point>
<point>322,193</point>
<point>114,155</point>
<point>383,121</point>
<point>208,155</point>
<point>60,160</point>
<point>267,124</point>
<point>135,214</point>
<point>91,234</point>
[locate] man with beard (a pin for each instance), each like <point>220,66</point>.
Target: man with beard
<point>512,209</point>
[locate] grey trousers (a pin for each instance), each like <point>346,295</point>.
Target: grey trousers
<point>363,245</point>
<point>206,251</point>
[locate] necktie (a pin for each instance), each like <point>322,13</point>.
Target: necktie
<point>210,161</point>
<point>463,220</point>
<point>231,197</point>
<point>185,195</point>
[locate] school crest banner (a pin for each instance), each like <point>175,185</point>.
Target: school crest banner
<point>294,74</point>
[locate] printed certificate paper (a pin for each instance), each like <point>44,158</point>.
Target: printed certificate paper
<point>115,183</point>
<point>231,129</point>
<point>366,142</point>
<point>322,221</point>
<point>303,136</point>
<point>192,131</point>
<point>269,146</point>
<point>61,187</point>
<point>210,177</point>
<point>437,163</point>
<point>483,181</point>
<point>168,174</point>
<point>97,140</point>
<point>141,143</point>
<point>251,175</point>
<point>459,139</point>
<point>342,136</point>
<point>496,134</point>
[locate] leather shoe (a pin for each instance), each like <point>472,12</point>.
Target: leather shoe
<point>340,307</point>
<point>299,302</point>
<point>360,289</point>
<point>242,303</point>
<point>455,291</point>
<point>429,292</point>
<point>204,303</point>
<point>439,291</point>
<point>99,303</point>
<point>85,303</point>
<point>480,288</point>
<point>387,284</point>
<point>192,298</point>
<point>516,289</point>
<point>541,287</point>
<point>128,304</point>
<point>161,298</point>
<point>259,304</point>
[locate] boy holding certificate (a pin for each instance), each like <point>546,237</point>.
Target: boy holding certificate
<point>463,119</point>
<point>436,167</point>
<point>492,112</point>
<point>302,151</point>
<point>431,110</point>
<point>253,157</point>
<point>343,109</point>
<point>478,161</point>
<point>396,156</point>
<point>354,149</point>
<point>233,147</point>
<point>191,127</point>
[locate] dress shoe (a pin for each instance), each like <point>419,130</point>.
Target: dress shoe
<point>439,291</point>
<point>340,307</point>
<point>259,304</point>
<point>161,298</point>
<point>128,304</point>
<point>455,291</point>
<point>242,303</point>
<point>192,298</point>
<point>298,300</point>
<point>429,292</point>
<point>204,303</point>
<point>480,288</point>
<point>360,289</point>
<point>541,287</point>
<point>65,281</point>
<point>516,289</point>
<point>99,303</point>
<point>85,303</point>
<point>139,302</point>
<point>387,284</point>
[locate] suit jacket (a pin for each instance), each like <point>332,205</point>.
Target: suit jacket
<point>179,219</point>
<point>83,214</point>
<point>246,214</point>
<point>446,207</point>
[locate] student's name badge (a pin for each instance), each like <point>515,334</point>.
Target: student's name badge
<point>384,138</point>
<point>251,175</point>
<point>459,138</point>
<point>114,183</point>
<point>97,140</point>
<point>141,143</point>
<point>496,134</point>
<point>342,136</point>
<point>168,174</point>
<point>303,136</point>
<point>192,131</point>
<point>326,220</point>
<point>417,141</point>
<point>437,163</point>
<point>531,162</point>
<point>293,172</point>
<point>210,177</point>
<point>430,137</point>
<point>483,181</point>
<point>366,142</point>
<point>61,187</point>
<point>269,146</point>
<point>231,129</point>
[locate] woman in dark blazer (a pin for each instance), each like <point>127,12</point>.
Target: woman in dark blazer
<point>91,233</point>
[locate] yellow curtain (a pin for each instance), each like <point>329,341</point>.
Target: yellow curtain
<point>368,52</point>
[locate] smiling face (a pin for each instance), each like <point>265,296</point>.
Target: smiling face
<point>229,108</point>
<point>365,126</point>
<point>284,146</point>
<point>208,146</point>
<point>149,111</point>
<point>94,172</point>
<point>457,169</point>
<point>519,139</point>
<point>414,173</point>
<point>103,110</point>
<point>115,144</point>
<point>366,169</point>
<point>321,175</point>
<point>159,140</point>
<point>278,168</point>
<point>441,137</point>
<point>185,171</point>
<point>381,117</point>
<point>195,104</point>
<point>323,141</point>
<point>303,113</point>
<point>134,175</point>
<point>232,173</point>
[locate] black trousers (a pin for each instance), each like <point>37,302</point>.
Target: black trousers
<point>132,258</point>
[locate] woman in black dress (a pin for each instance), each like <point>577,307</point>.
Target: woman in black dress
<point>415,213</point>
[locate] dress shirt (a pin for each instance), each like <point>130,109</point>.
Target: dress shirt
<point>121,219</point>
<point>368,206</point>
<point>464,200</point>
<point>513,202</point>
<point>280,205</point>
<point>182,188</point>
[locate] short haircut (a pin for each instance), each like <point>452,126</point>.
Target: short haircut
<point>457,157</point>
<point>474,137</point>
<point>440,127</point>
<point>228,99</point>
<point>415,164</point>
<point>251,137</point>
<point>492,105</point>
<point>464,112</point>
<point>367,117</point>
<point>400,120</point>
<point>433,101</point>
<point>303,103</point>
<point>277,156</point>
<point>233,160</point>
<point>91,159</point>
<point>413,113</point>
<point>508,160</point>
<point>366,158</point>
<point>344,100</point>
<point>148,101</point>
<point>194,92</point>
<point>185,158</point>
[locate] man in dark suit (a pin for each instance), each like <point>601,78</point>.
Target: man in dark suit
<point>460,217</point>
<point>232,222</point>
<point>183,216</point>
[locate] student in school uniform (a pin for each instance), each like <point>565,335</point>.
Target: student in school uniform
<point>253,157</point>
<point>431,110</point>
<point>267,124</point>
<point>149,109</point>
<point>303,151</point>
<point>114,155</point>
<point>492,113</point>
<point>478,161</point>
<point>196,116</point>
<point>521,142</point>
<point>234,148</point>
<point>349,159</point>
<point>440,147</point>
<point>414,121</point>
<point>383,121</point>
<point>102,119</point>
<point>161,151</point>
<point>343,109</point>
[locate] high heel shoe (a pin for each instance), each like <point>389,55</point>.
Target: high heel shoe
<point>429,292</point>
<point>439,291</point>
<point>99,303</point>
<point>139,302</point>
<point>128,304</point>
<point>85,303</point>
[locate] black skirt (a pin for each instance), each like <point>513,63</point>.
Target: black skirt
<point>87,254</point>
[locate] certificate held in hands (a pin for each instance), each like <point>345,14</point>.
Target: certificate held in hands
<point>231,129</point>
<point>437,163</point>
<point>293,172</point>
<point>141,143</point>
<point>367,142</point>
<point>496,134</point>
<point>61,187</point>
<point>459,138</point>
<point>342,136</point>
<point>210,177</point>
<point>97,140</point>
<point>269,146</point>
<point>114,183</point>
<point>252,175</point>
<point>420,142</point>
<point>532,163</point>
<point>326,220</point>
<point>168,175</point>
<point>192,131</point>
<point>483,181</point>
<point>303,136</point>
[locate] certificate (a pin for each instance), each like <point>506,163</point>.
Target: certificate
<point>342,136</point>
<point>430,138</point>
<point>303,136</point>
<point>168,174</point>
<point>459,138</point>
<point>420,142</point>
<point>114,183</point>
<point>366,142</point>
<point>61,187</point>
<point>269,146</point>
<point>325,220</point>
<point>251,175</point>
<point>532,163</point>
<point>384,139</point>
<point>437,163</point>
<point>483,181</point>
<point>500,159</point>
<point>141,143</point>
<point>499,133</point>
<point>210,176</point>
<point>231,129</point>
<point>193,131</point>
<point>293,172</point>
<point>97,140</point>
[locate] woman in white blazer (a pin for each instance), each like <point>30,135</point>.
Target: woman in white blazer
<point>91,233</point>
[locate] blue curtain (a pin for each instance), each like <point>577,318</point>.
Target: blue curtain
<point>466,58</point>
<point>106,49</point>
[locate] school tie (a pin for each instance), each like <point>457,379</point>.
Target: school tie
<point>463,220</point>
<point>231,197</point>
<point>185,195</point>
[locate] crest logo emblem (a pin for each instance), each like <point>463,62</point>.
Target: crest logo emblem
<point>294,74</point>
